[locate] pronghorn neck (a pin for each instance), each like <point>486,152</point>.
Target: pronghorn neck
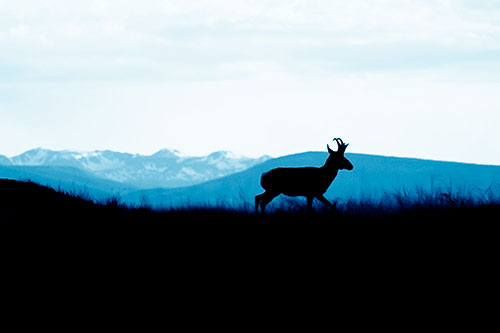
<point>329,172</point>
<point>330,167</point>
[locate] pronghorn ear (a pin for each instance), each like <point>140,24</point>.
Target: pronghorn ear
<point>329,150</point>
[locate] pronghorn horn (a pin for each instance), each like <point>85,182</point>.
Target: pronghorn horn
<point>341,145</point>
<point>340,142</point>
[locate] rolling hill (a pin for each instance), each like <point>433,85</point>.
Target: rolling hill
<point>68,179</point>
<point>372,177</point>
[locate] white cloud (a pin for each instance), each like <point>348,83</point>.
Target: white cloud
<point>388,20</point>
<point>203,39</point>
<point>20,30</point>
<point>139,75</point>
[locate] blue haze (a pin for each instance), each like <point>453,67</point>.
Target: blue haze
<point>372,177</point>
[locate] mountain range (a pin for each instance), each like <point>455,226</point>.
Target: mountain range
<point>166,168</point>
<point>168,178</point>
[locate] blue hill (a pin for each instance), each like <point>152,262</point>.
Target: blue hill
<point>372,177</point>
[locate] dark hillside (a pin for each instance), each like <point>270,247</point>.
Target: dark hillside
<point>241,243</point>
<point>66,178</point>
<point>27,202</point>
<point>324,236</point>
<point>31,203</point>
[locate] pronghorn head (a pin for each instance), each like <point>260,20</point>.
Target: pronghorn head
<point>336,160</point>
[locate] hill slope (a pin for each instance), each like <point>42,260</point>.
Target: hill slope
<point>31,203</point>
<point>34,219</point>
<point>68,179</point>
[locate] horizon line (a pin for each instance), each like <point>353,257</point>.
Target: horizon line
<point>238,155</point>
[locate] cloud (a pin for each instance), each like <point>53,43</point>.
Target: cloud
<point>203,39</point>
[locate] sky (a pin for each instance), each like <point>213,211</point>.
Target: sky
<point>391,77</point>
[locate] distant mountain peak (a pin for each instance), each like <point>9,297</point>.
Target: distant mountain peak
<point>36,156</point>
<point>168,153</point>
<point>36,151</point>
<point>4,160</point>
<point>225,154</point>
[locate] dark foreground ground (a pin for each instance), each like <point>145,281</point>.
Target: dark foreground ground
<point>26,204</point>
<point>325,263</point>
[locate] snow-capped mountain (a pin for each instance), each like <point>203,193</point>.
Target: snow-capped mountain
<point>165,168</point>
<point>4,160</point>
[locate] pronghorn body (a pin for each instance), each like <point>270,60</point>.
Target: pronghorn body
<point>298,181</point>
<point>309,182</point>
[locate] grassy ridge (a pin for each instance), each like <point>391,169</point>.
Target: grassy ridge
<point>359,238</point>
<point>29,202</point>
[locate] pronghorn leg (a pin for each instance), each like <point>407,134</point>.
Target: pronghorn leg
<point>309,203</point>
<point>264,199</point>
<point>325,201</point>
<point>258,199</point>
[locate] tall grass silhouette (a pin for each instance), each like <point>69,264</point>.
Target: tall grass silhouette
<point>31,201</point>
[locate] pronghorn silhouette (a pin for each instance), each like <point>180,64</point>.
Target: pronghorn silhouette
<point>309,182</point>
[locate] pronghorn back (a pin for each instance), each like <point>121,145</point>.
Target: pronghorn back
<point>295,181</point>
